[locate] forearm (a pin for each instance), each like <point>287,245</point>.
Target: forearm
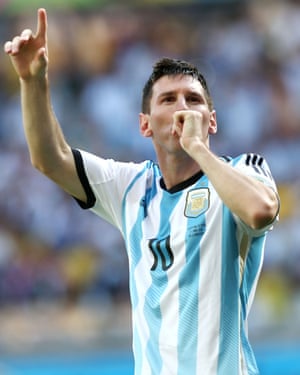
<point>44,136</point>
<point>255,203</point>
<point>49,152</point>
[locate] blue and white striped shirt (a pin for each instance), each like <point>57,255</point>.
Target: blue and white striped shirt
<point>194,266</point>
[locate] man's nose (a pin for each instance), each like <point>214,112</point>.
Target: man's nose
<point>181,104</point>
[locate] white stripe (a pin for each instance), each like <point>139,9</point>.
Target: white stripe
<point>210,293</point>
<point>144,281</point>
<point>142,277</point>
<point>169,329</point>
<point>169,334</point>
<point>243,365</point>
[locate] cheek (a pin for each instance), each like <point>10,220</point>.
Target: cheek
<point>206,118</point>
<point>161,119</point>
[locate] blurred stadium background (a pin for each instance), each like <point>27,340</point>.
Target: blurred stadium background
<point>64,305</point>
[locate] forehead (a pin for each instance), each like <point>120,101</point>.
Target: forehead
<point>176,83</point>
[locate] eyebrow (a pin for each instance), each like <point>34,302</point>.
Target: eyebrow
<point>188,92</point>
<point>166,93</point>
<point>172,92</point>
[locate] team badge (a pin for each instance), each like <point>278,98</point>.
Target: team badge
<point>197,202</point>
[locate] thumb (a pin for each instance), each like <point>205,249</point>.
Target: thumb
<point>42,55</point>
<point>41,61</point>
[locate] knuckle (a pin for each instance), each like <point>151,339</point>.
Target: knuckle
<point>26,33</point>
<point>7,46</point>
<point>16,39</point>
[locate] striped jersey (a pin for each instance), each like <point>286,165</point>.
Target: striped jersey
<point>193,265</point>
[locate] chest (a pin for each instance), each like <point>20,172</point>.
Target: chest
<point>168,230</point>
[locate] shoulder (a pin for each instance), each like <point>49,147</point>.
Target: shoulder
<point>250,161</point>
<point>99,169</point>
<point>253,165</point>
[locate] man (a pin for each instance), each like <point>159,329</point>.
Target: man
<point>194,224</point>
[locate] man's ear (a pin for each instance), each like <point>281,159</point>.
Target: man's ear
<point>145,127</point>
<point>213,127</point>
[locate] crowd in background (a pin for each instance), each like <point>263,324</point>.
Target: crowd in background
<point>52,250</point>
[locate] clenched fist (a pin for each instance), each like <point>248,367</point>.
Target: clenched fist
<point>192,128</point>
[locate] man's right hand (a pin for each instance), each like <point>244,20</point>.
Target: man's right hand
<point>28,51</point>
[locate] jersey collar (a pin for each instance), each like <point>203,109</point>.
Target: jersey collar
<point>183,184</point>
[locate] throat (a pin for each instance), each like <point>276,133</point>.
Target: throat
<point>182,184</point>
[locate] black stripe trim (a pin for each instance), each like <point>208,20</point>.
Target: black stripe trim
<point>248,159</point>
<point>182,185</point>
<point>254,159</point>
<point>91,199</point>
<point>226,158</point>
<point>257,163</point>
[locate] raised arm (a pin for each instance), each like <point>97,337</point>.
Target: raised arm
<point>251,200</point>
<point>48,148</point>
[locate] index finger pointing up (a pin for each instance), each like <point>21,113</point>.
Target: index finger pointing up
<point>42,24</point>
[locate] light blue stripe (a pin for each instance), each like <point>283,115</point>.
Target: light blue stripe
<point>188,299</point>
<point>252,268</point>
<point>229,322</point>
<point>136,234</point>
<point>153,317</point>
<point>133,247</point>
<point>236,160</point>
<point>159,283</point>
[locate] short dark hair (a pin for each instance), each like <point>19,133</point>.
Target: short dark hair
<point>171,67</point>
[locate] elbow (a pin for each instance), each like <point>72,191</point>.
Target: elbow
<point>38,165</point>
<point>51,162</point>
<point>43,168</point>
<point>265,213</point>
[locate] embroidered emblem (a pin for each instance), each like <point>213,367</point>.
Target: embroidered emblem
<point>197,202</point>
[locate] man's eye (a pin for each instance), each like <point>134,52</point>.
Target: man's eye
<point>194,99</point>
<point>168,99</point>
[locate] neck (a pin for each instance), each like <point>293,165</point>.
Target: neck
<point>176,170</point>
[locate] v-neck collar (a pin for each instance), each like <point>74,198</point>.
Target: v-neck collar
<point>183,184</point>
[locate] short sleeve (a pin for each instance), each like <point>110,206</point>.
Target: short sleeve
<point>255,166</point>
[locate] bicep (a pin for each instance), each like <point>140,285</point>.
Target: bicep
<point>66,176</point>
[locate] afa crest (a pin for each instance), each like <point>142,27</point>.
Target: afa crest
<point>197,202</point>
